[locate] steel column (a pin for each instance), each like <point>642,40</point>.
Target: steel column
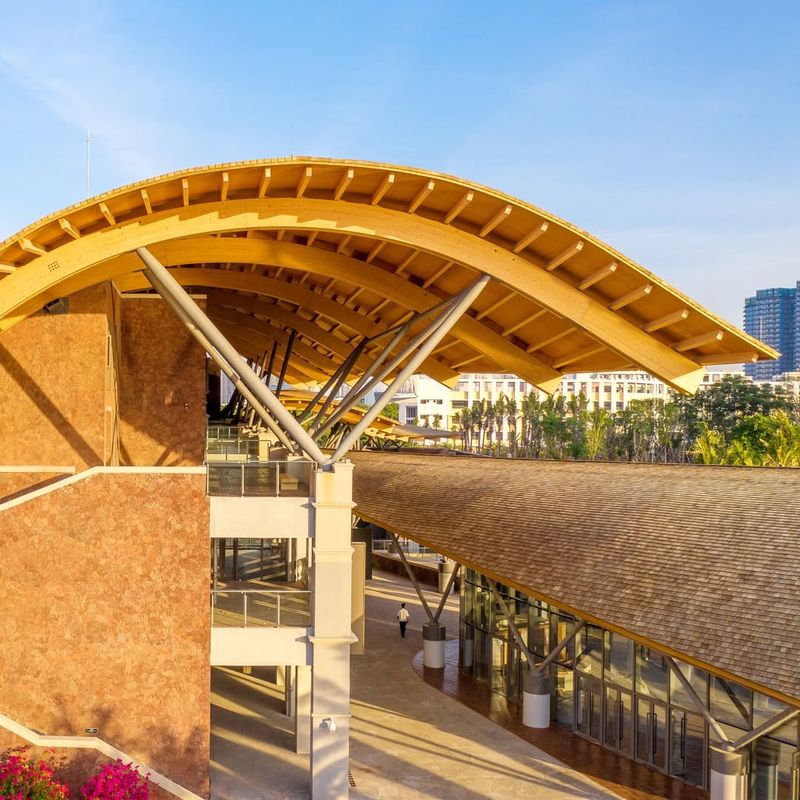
<point>229,353</point>
<point>441,329</point>
<point>229,370</point>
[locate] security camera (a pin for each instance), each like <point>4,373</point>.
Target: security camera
<point>330,724</point>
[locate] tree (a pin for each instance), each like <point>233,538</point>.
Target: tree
<point>599,423</point>
<point>392,410</point>
<point>708,448</point>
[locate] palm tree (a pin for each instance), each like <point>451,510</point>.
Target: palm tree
<point>599,423</point>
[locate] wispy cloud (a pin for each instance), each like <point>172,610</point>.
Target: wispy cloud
<point>88,79</point>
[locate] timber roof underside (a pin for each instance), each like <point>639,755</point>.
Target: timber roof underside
<point>340,250</point>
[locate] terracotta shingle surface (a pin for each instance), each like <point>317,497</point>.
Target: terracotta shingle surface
<point>701,561</point>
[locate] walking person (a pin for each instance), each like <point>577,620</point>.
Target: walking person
<point>402,618</point>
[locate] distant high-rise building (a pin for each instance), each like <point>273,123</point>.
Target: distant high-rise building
<point>772,316</point>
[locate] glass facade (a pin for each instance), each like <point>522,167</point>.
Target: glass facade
<point>621,694</point>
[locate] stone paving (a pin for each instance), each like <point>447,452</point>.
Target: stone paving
<point>408,740</point>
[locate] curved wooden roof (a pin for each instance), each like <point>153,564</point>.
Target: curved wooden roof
<point>338,250</point>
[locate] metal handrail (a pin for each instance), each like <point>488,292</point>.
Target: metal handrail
<point>245,592</point>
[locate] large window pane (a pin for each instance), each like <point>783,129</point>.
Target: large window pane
<point>766,708</point>
<point>563,688</point>
<point>698,680</point>
<point>589,651</point>
<point>539,636</point>
<point>730,703</point>
<point>652,673</point>
<point>560,628</point>
<point>619,659</point>
<point>772,777</point>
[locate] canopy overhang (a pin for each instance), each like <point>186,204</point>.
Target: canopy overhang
<point>339,250</point>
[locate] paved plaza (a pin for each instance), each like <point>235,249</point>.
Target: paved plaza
<point>408,742</point>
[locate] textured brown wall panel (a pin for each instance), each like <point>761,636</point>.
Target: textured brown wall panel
<point>104,616</point>
<point>53,385</point>
<point>162,387</point>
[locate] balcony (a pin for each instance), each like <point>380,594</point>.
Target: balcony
<point>260,478</point>
<point>242,608</point>
<point>262,626</point>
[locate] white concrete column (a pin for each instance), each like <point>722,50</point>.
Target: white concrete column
<point>331,637</point>
<point>728,775</point>
<point>535,699</point>
<point>302,712</point>
<point>433,638</point>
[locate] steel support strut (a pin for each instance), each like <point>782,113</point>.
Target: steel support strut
<point>361,387</point>
<point>167,286</point>
<point>438,330</point>
<point>229,371</point>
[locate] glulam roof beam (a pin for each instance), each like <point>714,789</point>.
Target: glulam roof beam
<point>631,297</point>
<point>93,257</point>
<point>563,256</point>
<point>263,184</point>
<point>502,214</point>
<point>344,182</point>
<point>599,275</point>
<point>667,320</point>
<point>69,228</point>
<point>531,237</point>
<point>703,339</point>
<point>421,196</point>
<point>494,306</point>
<point>465,200</point>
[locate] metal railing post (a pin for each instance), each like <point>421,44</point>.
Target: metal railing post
<point>244,606</point>
<point>278,624</point>
<point>241,467</point>
<point>277,479</point>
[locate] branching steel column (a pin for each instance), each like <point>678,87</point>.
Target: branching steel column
<point>338,378</point>
<point>412,577</point>
<point>286,420</point>
<point>699,704</point>
<point>441,329</point>
<point>286,357</point>
<point>551,656</point>
<point>229,370</point>
<point>446,592</point>
<point>766,727</point>
<point>512,625</point>
<point>361,387</point>
<point>268,377</point>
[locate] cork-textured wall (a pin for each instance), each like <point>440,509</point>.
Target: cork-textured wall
<point>104,617</point>
<point>53,385</point>
<point>162,389</point>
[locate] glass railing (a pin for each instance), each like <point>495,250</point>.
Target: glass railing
<point>233,449</point>
<point>243,608</point>
<point>226,432</point>
<point>260,479</point>
<point>411,549</point>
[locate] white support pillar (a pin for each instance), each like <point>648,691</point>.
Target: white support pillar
<point>331,579</point>
<point>728,774</point>
<point>433,638</point>
<point>535,699</point>
<point>302,712</point>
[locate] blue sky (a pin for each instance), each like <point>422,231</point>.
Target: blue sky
<point>669,129</point>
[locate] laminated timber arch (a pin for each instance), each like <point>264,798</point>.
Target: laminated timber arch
<point>368,244</point>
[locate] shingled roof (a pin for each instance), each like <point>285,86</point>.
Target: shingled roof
<point>700,562</point>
